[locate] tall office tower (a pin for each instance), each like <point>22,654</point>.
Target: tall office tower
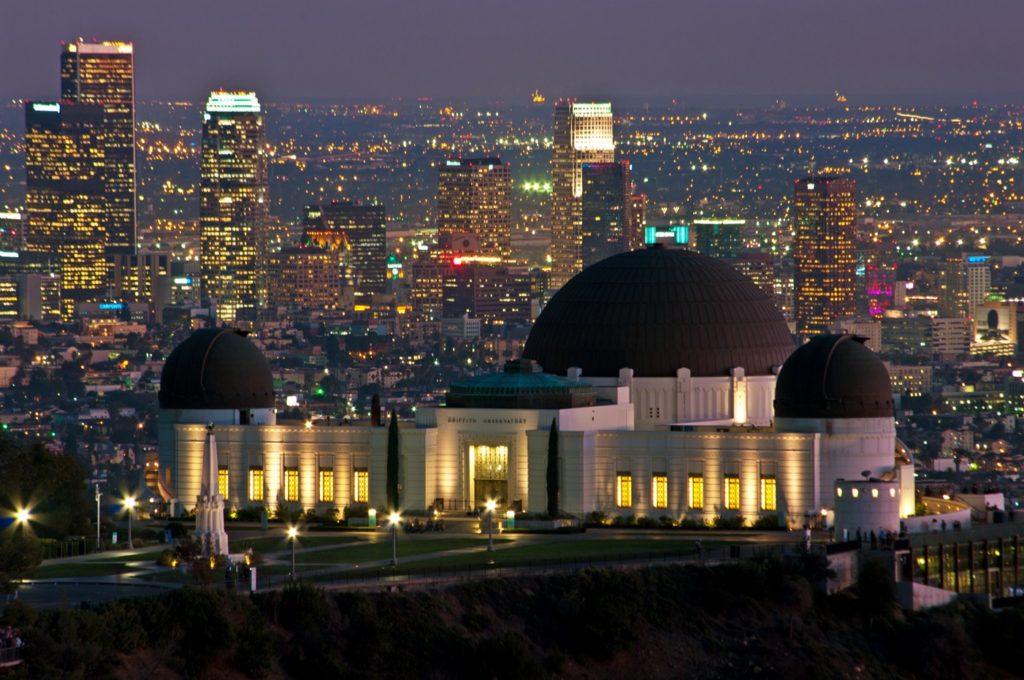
<point>65,201</point>
<point>824,216</point>
<point>103,74</point>
<point>582,134</point>
<point>605,207</point>
<point>876,279</point>
<point>234,208</point>
<point>359,232</point>
<point>636,220</point>
<point>964,282</point>
<point>474,196</point>
<point>305,278</point>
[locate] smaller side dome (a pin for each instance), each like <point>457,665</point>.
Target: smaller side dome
<point>833,376</point>
<point>216,368</point>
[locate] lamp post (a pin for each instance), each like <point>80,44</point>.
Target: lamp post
<point>491,505</point>
<point>130,504</point>
<point>293,533</point>
<point>393,519</point>
<point>21,518</point>
<point>98,497</point>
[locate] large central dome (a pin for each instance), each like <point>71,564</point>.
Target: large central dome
<point>656,311</point>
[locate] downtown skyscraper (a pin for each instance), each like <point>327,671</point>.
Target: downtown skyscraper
<point>80,168</point>
<point>234,209</point>
<point>103,74</point>
<point>474,196</point>
<point>606,206</point>
<point>582,134</point>
<point>824,260</point>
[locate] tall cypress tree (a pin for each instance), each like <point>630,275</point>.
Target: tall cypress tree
<point>392,467</point>
<point>553,470</point>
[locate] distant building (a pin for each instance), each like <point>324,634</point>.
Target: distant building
<point>995,328</point>
<point>951,337</point>
<point>759,268</point>
<point>914,381</point>
<point>103,74</point>
<point>306,278</point>
<point>607,189</point>
<point>66,196</point>
<point>234,211</point>
<point>824,216</point>
<point>964,281</point>
<point>142,277</point>
<point>717,237</point>
<point>495,294</point>
<point>636,220</point>
<point>867,328</point>
<point>359,234</point>
<point>474,196</point>
<point>582,134</point>
<point>909,335</point>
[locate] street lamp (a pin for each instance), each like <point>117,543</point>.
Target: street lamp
<point>393,519</point>
<point>22,516</point>
<point>130,504</point>
<point>491,505</point>
<point>293,533</point>
<point>98,496</point>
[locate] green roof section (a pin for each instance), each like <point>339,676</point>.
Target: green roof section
<point>521,385</point>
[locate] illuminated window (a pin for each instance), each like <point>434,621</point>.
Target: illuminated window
<point>624,490</point>
<point>732,492</point>
<point>327,485</point>
<point>696,492</point>
<point>222,482</point>
<point>768,493</point>
<point>255,483</point>
<point>362,486</point>
<point>291,484</point>
<point>660,485</point>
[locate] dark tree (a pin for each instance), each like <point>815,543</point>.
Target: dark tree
<point>552,476</point>
<point>392,471</point>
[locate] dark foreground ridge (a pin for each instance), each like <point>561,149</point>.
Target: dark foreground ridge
<point>755,619</point>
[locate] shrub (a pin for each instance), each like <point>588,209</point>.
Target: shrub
<point>691,524</point>
<point>177,530</point>
<point>252,513</point>
<point>166,558</point>
<point>767,522</point>
<point>666,521</point>
<point>646,522</point>
<point>734,522</point>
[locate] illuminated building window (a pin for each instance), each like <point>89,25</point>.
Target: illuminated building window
<point>327,485</point>
<point>222,482</point>
<point>624,490</point>
<point>361,486</point>
<point>732,492</point>
<point>291,484</point>
<point>660,487</point>
<point>696,492</point>
<point>768,493</point>
<point>256,484</point>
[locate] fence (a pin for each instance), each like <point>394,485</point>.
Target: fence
<point>10,657</point>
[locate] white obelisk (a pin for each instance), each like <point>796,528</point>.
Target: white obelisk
<point>209,503</point>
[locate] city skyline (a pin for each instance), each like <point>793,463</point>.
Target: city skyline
<point>918,51</point>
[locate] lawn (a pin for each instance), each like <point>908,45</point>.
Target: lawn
<point>380,550</point>
<point>278,542</point>
<point>597,550</point>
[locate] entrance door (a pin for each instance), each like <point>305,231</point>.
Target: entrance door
<point>490,474</point>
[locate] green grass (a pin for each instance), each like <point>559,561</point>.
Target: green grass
<point>279,542</point>
<point>598,549</point>
<point>371,552</point>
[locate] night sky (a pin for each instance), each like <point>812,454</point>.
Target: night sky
<point>339,50</point>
